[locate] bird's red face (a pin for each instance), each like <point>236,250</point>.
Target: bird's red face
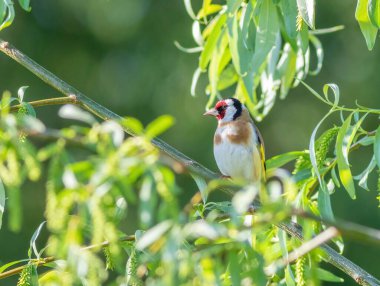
<point>219,111</point>
<point>226,110</point>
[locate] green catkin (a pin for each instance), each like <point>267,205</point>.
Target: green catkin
<point>322,145</point>
<point>25,278</point>
<point>109,262</point>
<point>132,264</point>
<point>300,271</point>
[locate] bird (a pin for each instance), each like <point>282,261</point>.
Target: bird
<point>238,145</point>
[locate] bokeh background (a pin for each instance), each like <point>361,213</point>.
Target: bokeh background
<point>121,54</point>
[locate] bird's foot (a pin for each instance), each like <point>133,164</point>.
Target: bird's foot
<point>225,177</point>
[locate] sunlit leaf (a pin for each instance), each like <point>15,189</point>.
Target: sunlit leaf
<point>342,149</point>
<point>25,4</point>
<point>10,15</point>
<point>307,10</point>
<point>202,186</point>
<point>211,42</point>
<point>33,241</point>
<point>73,112</point>
<point>159,126</point>
<point>153,234</point>
<point>10,264</point>
<point>280,160</point>
<point>374,12</point>
<point>21,92</point>
<point>369,31</point>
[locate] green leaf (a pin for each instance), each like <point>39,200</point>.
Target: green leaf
<point>280,160</point>
<point>233,5</point>
<point>194,81</point>
<point>307,10</point>
<point>313,157</point>
<point>363,177</point>
<point>10,15</point>
<point>2,202</point>
<point>319,52</point>
<point>289,12</point>
<point>376,147</point>
<point>189,9</point>
<point>159,126</point>
<point>324,203</point>
<point>202,186</point>
<point>73,112</point>
<point>342,148</point>
<point>327,276</point>
<point>33,242</point>
<point>369,31</point>
<point>153,234</point>
<point>29,109</point>
<point>25,4</point>
<point>10,264</point>
<point>211,42</point>
<point>234,268</point>
<point>374,12</point>
<point>21,92</point>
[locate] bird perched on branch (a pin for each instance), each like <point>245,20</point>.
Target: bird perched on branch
<point>238,144</point>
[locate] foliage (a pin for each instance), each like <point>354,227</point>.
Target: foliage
<point>113,213</point>
<point>257,50</point>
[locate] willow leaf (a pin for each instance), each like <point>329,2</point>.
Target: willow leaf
<point>368,30</point>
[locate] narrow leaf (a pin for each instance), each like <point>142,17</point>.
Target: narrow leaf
<point>376,147</point>
<point>307,10</point>
<point>363,177</point>
<point>280,160</point>
<point>327,276</point>
<point>202,186</point>
<point>211,42</point>
<point>153,234</point>
<point>33,241</point>
<point>21,92</point>
<point>319,52</point>
<point>369,31</point>
<point>25,4</point>
<point>342,148</point>
<point>159,125</point>
<point>374,12</point>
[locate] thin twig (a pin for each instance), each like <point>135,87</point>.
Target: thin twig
<point>46,260</point>
<point>361,276</point>
<point>48,101</point>
<point>305,248</point>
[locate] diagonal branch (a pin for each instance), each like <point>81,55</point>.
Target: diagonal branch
<point>353,270</point>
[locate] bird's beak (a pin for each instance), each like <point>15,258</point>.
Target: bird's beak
<point>212,112</point>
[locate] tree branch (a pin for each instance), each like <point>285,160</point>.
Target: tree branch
<point>360,276</point>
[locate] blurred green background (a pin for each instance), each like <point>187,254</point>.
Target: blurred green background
<point>121,54</point>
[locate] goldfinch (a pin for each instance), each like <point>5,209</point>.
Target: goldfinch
<point>238,144</point>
